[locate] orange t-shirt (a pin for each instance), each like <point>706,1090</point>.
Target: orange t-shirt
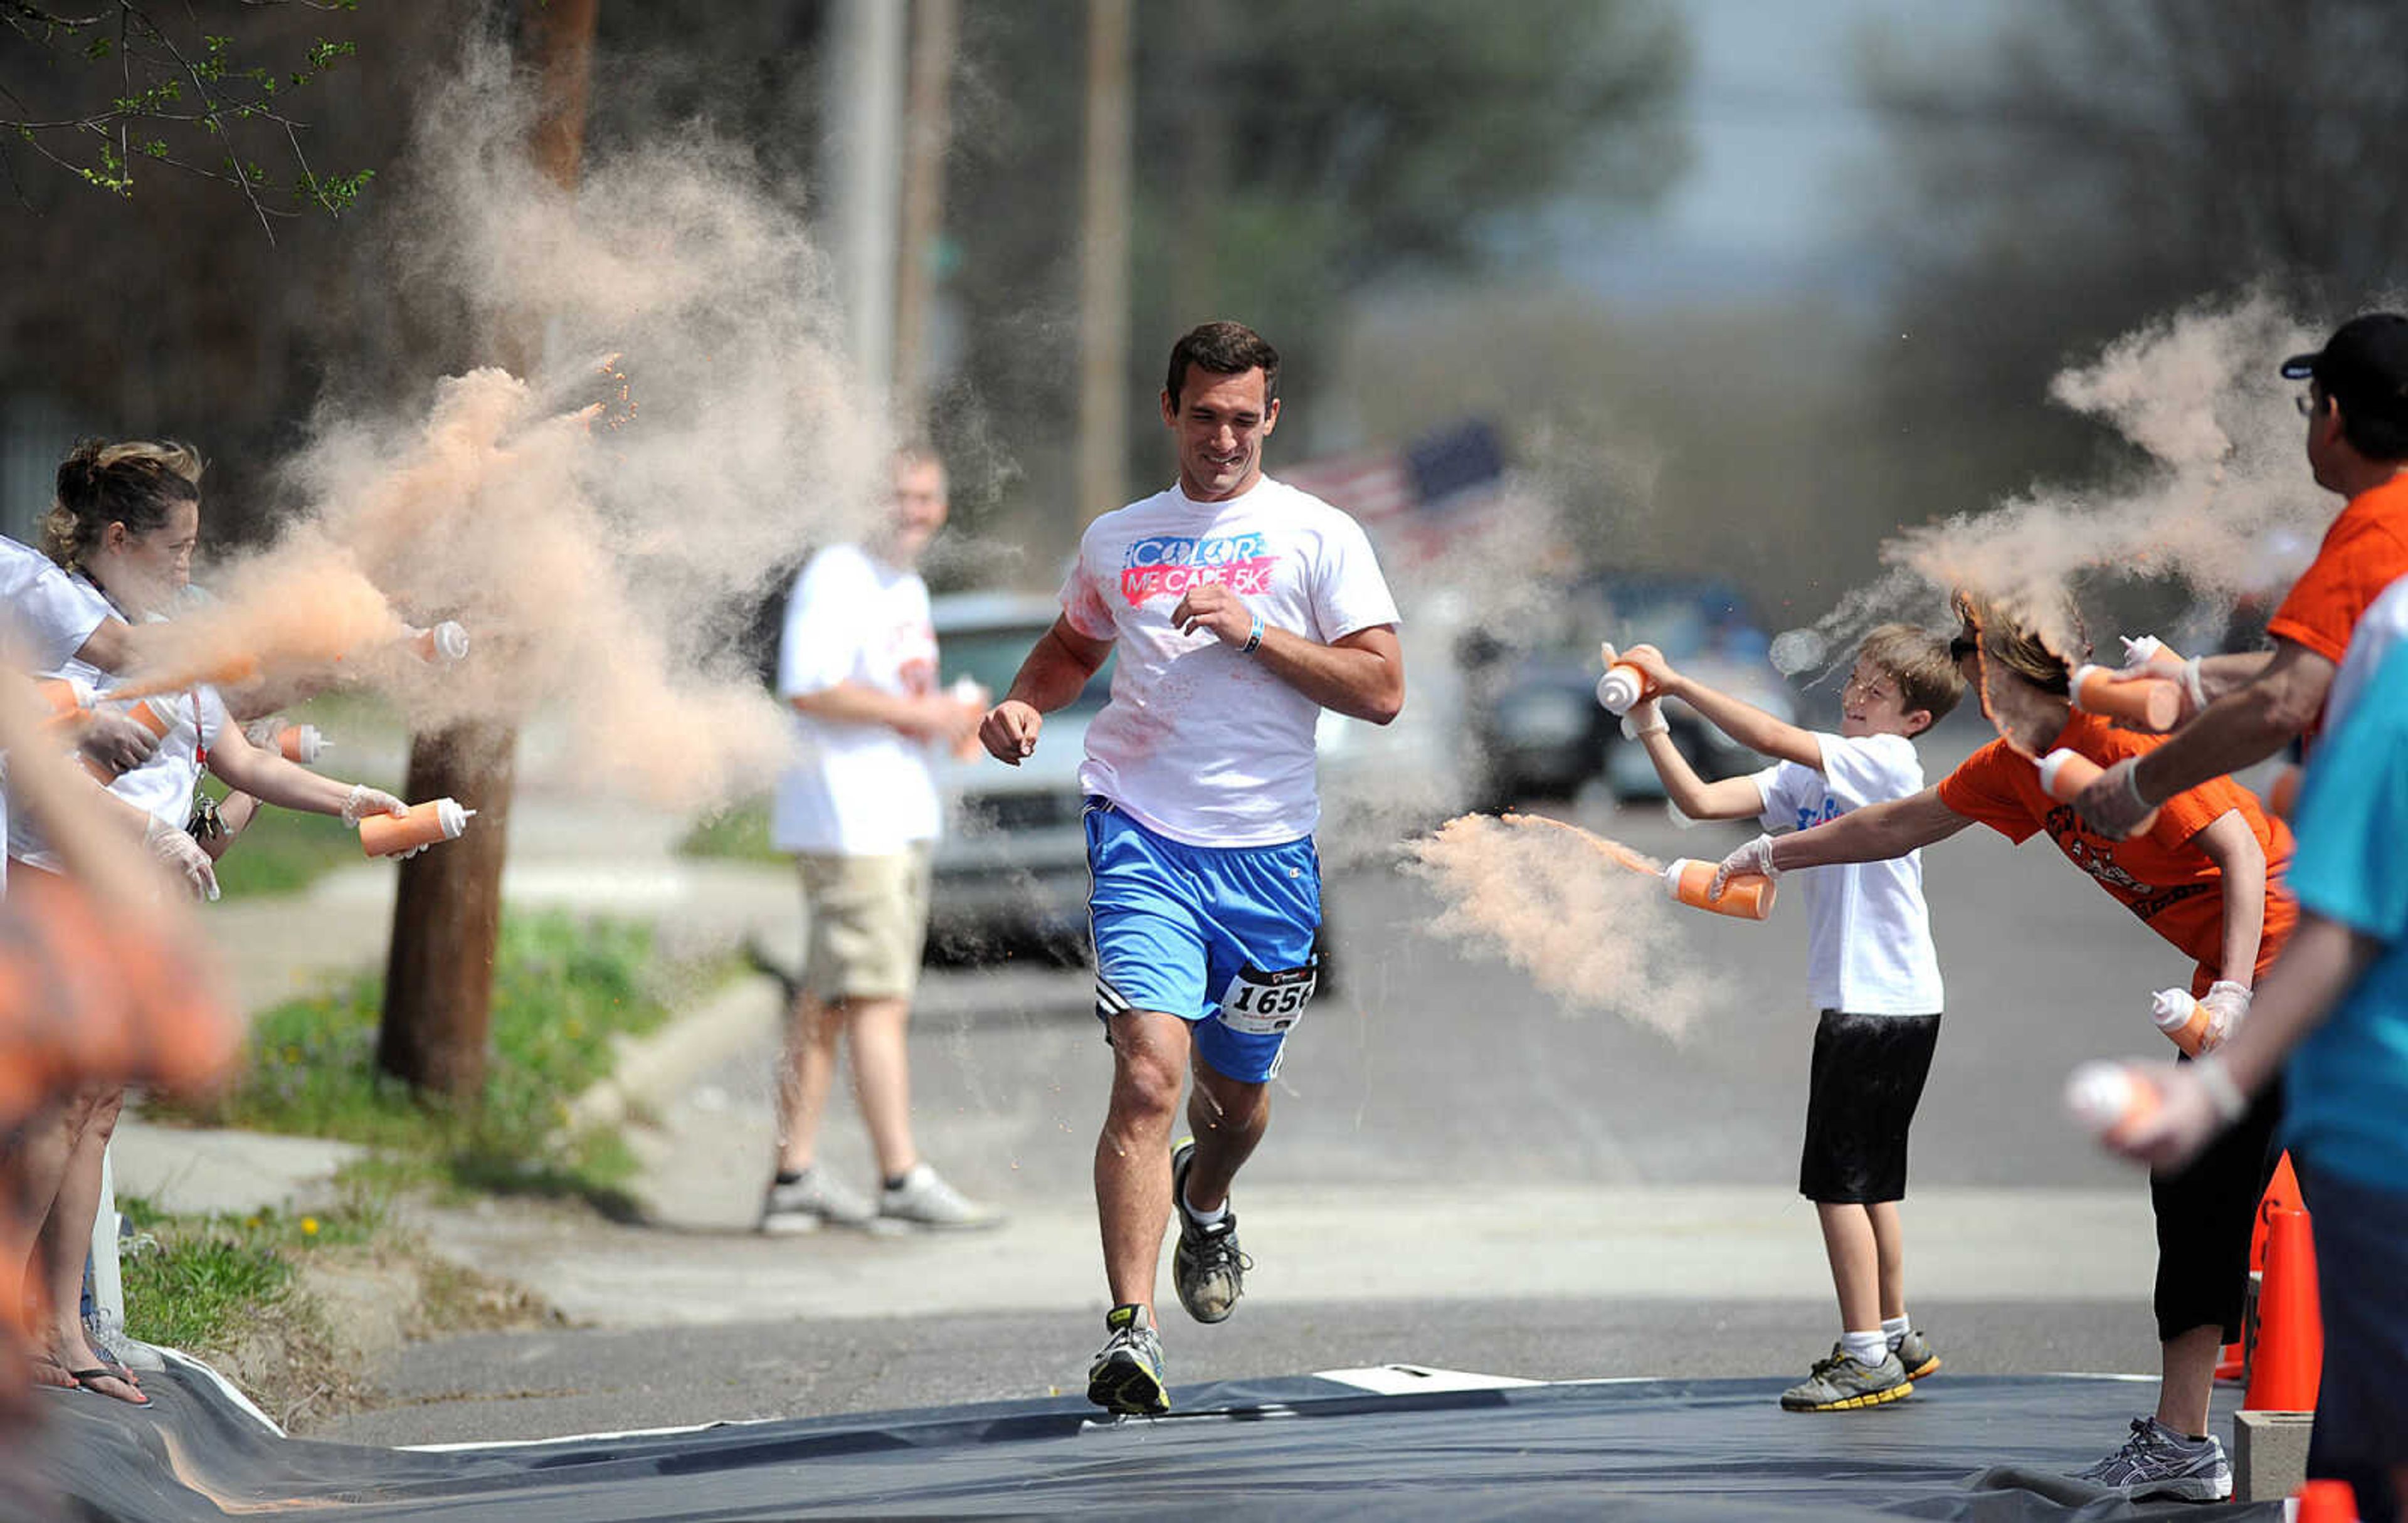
<point>2364,552</point>
<point>2160,875</point>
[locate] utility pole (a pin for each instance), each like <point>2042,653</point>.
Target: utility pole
<point>859,165</point>
<point>1103,265</point>
<point>439,971</point>
<point>927,135</point>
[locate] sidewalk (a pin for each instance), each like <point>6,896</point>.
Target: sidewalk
<point>276,949</point>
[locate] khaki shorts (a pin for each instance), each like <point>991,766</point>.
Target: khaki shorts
<point>865,920</point>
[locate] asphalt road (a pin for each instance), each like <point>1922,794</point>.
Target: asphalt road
<point>1436,1076</point>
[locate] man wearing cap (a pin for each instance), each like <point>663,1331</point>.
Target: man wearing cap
<point>2250,705</point>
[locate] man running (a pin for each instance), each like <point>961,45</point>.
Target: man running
<point>1240,607</point>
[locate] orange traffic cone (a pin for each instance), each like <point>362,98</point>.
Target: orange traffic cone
<point>2288,1361</point>
<point>2282,1193</point>
<point>2325,1501</point>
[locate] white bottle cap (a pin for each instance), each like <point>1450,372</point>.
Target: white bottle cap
<point>2050,766</point>
<point>2170,1009</point>
<point>2098,1093</point>
<point>448,815</point>
<point>1619,689</point>
<point>450,640</point>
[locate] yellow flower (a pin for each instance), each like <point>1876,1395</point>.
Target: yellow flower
<point>309,1226</point>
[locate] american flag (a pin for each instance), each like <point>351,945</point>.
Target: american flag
<point>1415,502</point>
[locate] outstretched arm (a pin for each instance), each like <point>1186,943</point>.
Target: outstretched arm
<point>1875,833</point>
<point>1056,671</point>
<point>2247,724</point>
<point>1731,799</point>
<point>1750,726</point>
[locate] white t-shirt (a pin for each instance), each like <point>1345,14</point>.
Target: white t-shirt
<point>1868,930</point>
<point>2379,628</point>
<point>857,789</point>
<point>45,617</point>
<point>1199,742</point>
<point>161,787</point>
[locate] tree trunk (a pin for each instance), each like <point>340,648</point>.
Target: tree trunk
<point>438,991</point>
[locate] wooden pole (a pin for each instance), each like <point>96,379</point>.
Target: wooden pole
<point>1103,264</point>
<point>447,918</point>
<point>928,134</point>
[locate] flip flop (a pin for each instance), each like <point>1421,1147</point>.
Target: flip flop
<point>89,1380</point>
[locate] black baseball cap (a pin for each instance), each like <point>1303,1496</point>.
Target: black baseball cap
<point>2364,365</point>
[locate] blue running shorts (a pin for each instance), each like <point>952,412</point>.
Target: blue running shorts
<point>1220,937</point>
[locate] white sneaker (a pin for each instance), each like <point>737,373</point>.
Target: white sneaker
<point>817,1199</point>
<point>925,1200</point>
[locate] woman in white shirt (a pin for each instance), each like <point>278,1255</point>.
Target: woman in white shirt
<point>123,526</point>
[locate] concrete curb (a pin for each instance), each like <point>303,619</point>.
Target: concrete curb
<point>653,1069</point>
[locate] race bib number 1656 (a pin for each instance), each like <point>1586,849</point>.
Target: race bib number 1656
<point>1262,1004</point>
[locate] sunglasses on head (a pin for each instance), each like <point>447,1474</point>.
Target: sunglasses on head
<point>1963,646</point>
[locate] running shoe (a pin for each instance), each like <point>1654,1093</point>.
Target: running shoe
<point>925,1200</point>
<point>1206,1267</point>
<point>815,1200</point>
<point>1913,1351</point>
<point>1844,1382</point>
<point>1126,1375</point>
<point>2157,1461</point>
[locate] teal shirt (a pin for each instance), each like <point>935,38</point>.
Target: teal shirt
<point>2347,1096</point>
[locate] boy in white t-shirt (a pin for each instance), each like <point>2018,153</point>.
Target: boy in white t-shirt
<point>1871,971</point>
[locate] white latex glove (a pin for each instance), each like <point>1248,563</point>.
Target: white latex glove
<point>1646,717</point>
<point>2228,1006</point>
<point>365,801</point>
<point>183,854</point>
<point>1756,858</point>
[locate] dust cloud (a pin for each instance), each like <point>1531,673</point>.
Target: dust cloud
<point>604,523</point>
<point>1568,910</point>
<point>2220,500</point>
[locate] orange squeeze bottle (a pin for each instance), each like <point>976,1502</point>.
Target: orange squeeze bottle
<point>2063,775</point>
<point>1623,688</point>
<point>437,819</point>
<point>2148,703</point>
<point>1747,896</point>
<point>446,642</point>
<point>2108,1100</point>
<point>2187,1023</point>
<point>150,717</point>
<point>301,743</point>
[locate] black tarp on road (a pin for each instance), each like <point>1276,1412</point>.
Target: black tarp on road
<point>1964,1447</point>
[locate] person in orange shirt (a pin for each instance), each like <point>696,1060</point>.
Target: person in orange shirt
<point>2207,875</point>
<point>2251,704</point>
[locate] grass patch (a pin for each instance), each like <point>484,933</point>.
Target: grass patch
<point>739,833</point>
<point>563,990</point>
<point>199,1282</point>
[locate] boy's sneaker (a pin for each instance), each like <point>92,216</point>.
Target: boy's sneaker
<point>1844,1382</point>
<point>1126,1375</point>
<point>1914,1352</point>
<point>925,1200</point>
<point>2157,1461</point>
<point>817,1199</point>
<point>1207,1267</point>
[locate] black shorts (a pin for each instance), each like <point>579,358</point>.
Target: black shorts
<point>2206,1216</point>
<point>1867,1079</point>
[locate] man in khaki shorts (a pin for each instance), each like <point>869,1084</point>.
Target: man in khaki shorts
<point>857,664</point>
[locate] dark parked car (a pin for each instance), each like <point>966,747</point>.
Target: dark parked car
<point>1541,733</point>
